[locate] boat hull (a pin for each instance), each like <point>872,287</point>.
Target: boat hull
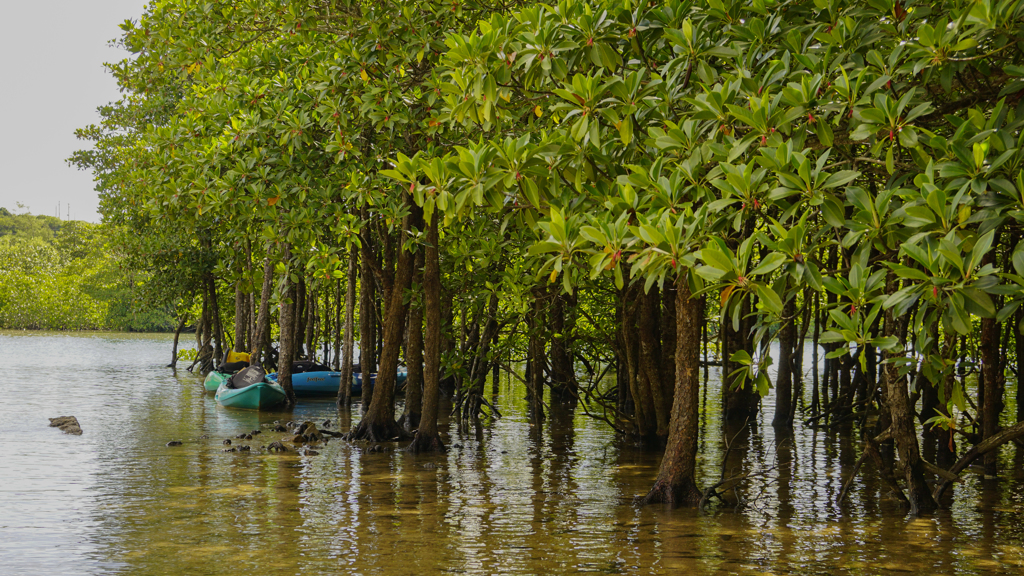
<point>327,383</point>
<point>214,379</point>
<point>259,396</point>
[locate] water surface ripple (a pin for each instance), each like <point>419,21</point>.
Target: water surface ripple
<point>508,498</point>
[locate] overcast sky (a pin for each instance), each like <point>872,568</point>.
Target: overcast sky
<point>51,83</point>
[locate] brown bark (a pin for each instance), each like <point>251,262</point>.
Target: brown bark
<point>414,356</point>
<point>991,380</point>
<point>287,322</point>
<point>299,317</point>
<point>311,321</point>
<point>784,375</point>
<point>676,484</point>
<point>650,353</point>
<point>218,331</point>
<point>379,423</point>
<point>262,335</point>
<point>902,414</point>
<point>563,378</point>
<point>1018,340</point>
<point>537,362</point>
<point>367,317</point>
<point>174,349</point>
<point>345,391</point>
<point>427,439</point>
<point>667,326</point>
<point>645,423</point>
<point>239,318</point>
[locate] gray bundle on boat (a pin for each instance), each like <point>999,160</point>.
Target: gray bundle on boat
<point>246,377</point>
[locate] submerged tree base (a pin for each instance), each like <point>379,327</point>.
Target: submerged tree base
<point>426,443</point>
<point>373,432</point>
<point>676,494</point>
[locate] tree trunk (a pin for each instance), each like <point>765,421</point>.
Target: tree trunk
<point>784,376</point>
<point>427,439</point>
<point>287,322</point>
<point>989,383</point>
<point>902,414</point>
<point>1018,341</point>
<point>367,317</point>
<point>262,334</point>
<point>414,355</point>
<point>650,355</point>
<point>239,318</point>
<point>174,349</point>
<point>218,331</point>
<point>311,321</point>
<point>337,321</point>
<point>379,424</point>
<point>345,391</point>
<point>537,362</point>
<point>667,326</point>
<point>563,380</point>
<point>676,484</point>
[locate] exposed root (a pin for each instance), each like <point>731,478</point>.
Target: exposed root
<point>684,493</point>
<point>370,432</point>
<point>426,443</point>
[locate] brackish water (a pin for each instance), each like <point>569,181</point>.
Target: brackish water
<point>507,498</point>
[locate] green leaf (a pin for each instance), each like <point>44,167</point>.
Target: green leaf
<point>769,298</point>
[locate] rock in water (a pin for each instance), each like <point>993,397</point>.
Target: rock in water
<point>67,424</point>
<point>309,432</point>
<point>174,443</point>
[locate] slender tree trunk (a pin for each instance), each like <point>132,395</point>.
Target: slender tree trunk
<point>1018,342</point>
<point>676,484</point>
<point>218,331</point>
<point>262,334</point>
<point>239,318</point>
<point>174,349</point>
<point>379,424</point>
<point>311,322</point>
<point>784,376</point>
<point>345,392</point>
<point>287,321</point>
<point>667,326</point>
<point>337,319</point>
<point>367,317</point>
<point>427,439</point>
<point>537,362</point>
<point>650,354</point>
<point>414,355</point>
<point>902,414</point>
<point>989,383</point>
<point>815,402</point>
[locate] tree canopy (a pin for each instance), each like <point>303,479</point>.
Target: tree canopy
<point>605,177</point>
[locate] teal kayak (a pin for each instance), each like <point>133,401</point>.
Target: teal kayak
<point>259,396</point>
<point>214,379</point>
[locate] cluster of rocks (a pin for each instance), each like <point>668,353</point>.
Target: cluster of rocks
<point>67,424</point>
<point>298,439</point>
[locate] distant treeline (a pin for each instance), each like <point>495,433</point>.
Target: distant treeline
<point>60,275</point>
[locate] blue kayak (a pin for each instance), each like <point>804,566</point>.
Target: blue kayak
<point>313,383</point>
<point>327,383</point>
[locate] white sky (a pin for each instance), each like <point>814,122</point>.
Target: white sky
<point>51,81</point>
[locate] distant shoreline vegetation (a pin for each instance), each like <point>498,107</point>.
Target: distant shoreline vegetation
<point>62,275</point>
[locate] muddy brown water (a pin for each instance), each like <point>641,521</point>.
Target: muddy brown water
<point>508,498</point>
